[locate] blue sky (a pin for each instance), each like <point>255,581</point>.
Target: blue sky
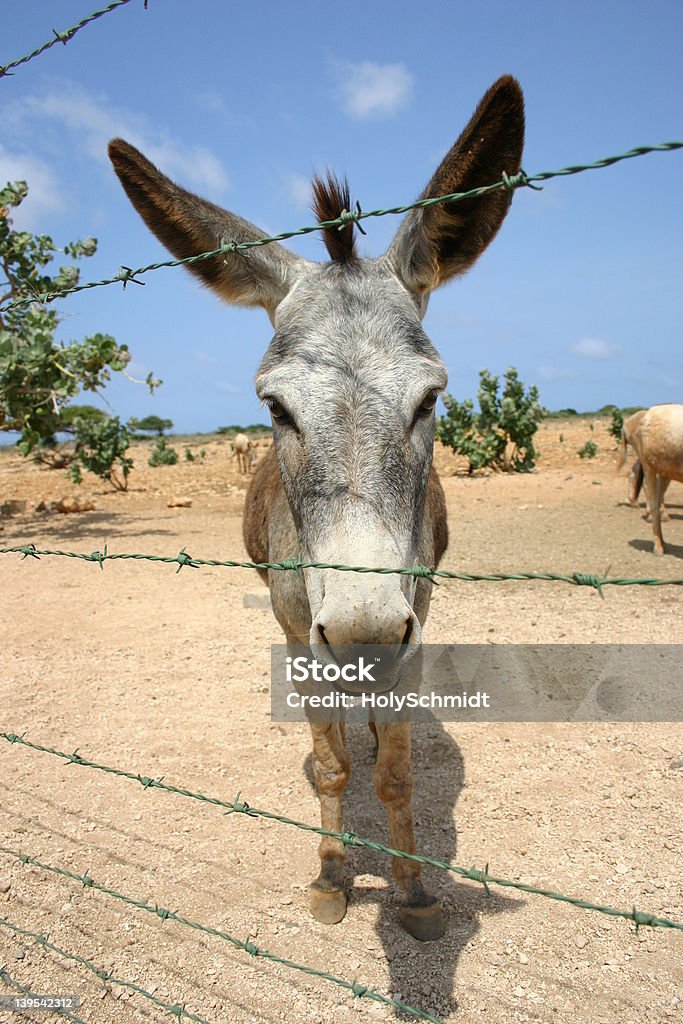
<point>243,102</point>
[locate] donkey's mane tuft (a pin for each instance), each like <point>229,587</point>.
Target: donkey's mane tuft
<point>330,198</point>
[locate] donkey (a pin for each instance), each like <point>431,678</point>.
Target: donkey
<point>351,381</point>
<point>636,477</point>
<point>658,442</point>
<point>243,449</point>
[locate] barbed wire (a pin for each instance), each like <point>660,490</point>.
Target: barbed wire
<point>107,977</point>
<point>62,37</point>
<point>9,980</point>
<point>355,987</point>
<point>184,560</point>
<point>509,182</point>
<point>239,806</point>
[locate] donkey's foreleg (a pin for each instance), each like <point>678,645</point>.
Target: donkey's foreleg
<point>331,772</point>
<point>421,914</point>
<point>654,494</point>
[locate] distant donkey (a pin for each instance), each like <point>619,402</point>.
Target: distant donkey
<point>636,478</point>
<point>351,381</point>
<point>243,449</point>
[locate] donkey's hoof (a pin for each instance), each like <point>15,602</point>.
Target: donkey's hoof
<point>424,923</point>
<point>327,907</point>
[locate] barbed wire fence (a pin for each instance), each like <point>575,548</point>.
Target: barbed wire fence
<point>184,560</point>
<point>347,839</point>
<point>62,37</point>
<point>509,182</point>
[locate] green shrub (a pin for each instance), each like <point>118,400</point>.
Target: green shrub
<point>101,448</point>
<point>501,433</point>
<point>588,451</point>
<point>191,457</point>
<point>162,454</point>
<point>617,425</point>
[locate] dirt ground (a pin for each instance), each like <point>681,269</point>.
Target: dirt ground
<point>167,674</point>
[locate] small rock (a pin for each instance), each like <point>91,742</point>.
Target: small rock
<point>179,503</point>
<point>5,886</point>
<point>580,941</point>
<point>18,953</point>
<point>523,958</point>
<point>519,992</point>
<point>13,507</point>
<point>69,505</point>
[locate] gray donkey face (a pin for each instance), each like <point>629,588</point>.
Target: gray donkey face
<point>350,377</point>
<point>351,380</point>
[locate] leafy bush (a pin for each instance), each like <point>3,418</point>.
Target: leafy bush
<point>501,433</point>
<point>38,376</point>
<point>162,454</point>
<point>191,457</point>
<point>617,425</point>
<point>101,448</point>
<point>588,451</point>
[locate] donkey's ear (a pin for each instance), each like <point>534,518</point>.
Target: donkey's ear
<point>436,242</point>
<point>188,225</point>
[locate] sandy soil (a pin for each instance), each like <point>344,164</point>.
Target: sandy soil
<point>167,674</point>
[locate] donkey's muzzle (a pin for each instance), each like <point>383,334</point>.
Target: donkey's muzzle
<point>391,629</point>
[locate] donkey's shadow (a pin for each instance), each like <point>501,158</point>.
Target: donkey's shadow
<point>422,974</point>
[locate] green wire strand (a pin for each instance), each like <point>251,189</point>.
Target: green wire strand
<point>107,977</point>
<point>247,946</point>
<point>238,806</point>
<point>184,560</point>
<point>508,182</point>
<point>9,980</point>
<point>62,37</point>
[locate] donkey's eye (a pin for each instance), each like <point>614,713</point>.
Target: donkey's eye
<point>427,404</point>
<point>278,411</point>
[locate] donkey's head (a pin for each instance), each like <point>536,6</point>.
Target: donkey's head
<point>350,377</point>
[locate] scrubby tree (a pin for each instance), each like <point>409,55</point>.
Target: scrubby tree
<point>501,433</point>
<point>101,448</point>
<point>151,425</point>
<point>39,376</point>
<point>617,425</point>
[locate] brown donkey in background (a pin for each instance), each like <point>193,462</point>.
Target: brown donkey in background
<point>351,381</point>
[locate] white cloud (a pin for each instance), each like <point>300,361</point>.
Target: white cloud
<point>594,348</point>
<point>369,90</point>
<point>92,121</point>
<point>298,189</point>
<point>226,388</point>
<point>44,195</point>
